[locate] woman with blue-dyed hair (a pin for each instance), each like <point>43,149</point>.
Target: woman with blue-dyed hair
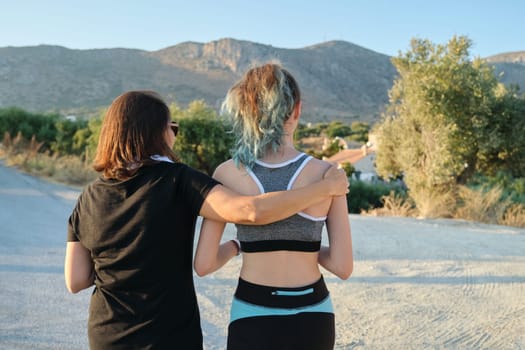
<point>281,300</point>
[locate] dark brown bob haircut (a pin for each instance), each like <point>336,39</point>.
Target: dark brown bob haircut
<point>132,131</point>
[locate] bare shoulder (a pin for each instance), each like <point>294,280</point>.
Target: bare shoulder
<point>224,170</point>
<point>319,165</point>
<point>230,175</point>
<point>312,172</point>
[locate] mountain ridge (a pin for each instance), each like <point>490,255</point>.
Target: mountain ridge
<point>338,79</point>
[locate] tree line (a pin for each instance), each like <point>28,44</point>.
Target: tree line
<point>204,140</point>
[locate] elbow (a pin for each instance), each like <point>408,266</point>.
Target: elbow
<point>344,275</point>
<point>253,218</point>
<point>74,287</point>
<point>73,290</point>
<point>259,215</point>
<point>256,212</point>
<point>201,272</point>
<point>75,284</point>
<point>252,214</point>
<point>259,218</point>
<point>202,269</point>
<point>344,272</point>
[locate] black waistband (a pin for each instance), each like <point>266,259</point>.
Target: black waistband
<point>273,245</point>
<point>283,297</point>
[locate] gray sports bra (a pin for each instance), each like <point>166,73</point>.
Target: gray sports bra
<point>300,232</point>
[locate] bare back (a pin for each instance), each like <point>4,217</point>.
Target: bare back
<point>282,267</point>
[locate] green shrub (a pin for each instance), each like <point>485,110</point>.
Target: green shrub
<point>364,196</point>
<point>337,128</point>
<point>513,188</point>
<point>348,168</point>
<point>56,133</point>
<point>481,205</point>
<point>15,120</point>
<point>71,137</point>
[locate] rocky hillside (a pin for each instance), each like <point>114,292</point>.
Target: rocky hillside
<point>510,67</point>
<point>339,80</point>
<point>508,57</point>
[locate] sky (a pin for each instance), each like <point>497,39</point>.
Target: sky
<point>384,26</point>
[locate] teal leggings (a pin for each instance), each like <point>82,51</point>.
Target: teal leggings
<point>264,317</point>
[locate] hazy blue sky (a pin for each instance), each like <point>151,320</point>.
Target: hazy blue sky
<point>385,26</point>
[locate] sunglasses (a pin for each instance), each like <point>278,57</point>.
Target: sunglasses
<point>175,127</point>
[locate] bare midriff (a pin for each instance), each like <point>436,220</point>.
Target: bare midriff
<point>281,268</point>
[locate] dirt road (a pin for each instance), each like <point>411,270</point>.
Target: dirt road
<point>417,284</point>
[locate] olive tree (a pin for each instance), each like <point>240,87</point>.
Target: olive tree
<point>432,131</point>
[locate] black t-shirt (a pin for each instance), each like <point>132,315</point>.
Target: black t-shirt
<point>140,233</point>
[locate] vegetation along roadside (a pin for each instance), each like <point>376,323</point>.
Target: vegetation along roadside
<point>450,144</point>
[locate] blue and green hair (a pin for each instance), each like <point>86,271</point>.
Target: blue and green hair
<point>258,106</point>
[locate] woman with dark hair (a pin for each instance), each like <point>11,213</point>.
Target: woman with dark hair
<point>281,300</point>
<point>131,232</point>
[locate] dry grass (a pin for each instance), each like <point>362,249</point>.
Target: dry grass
<point>69,170</point>
<point>467,204</point>
<point>25,156</point>
<point>514,216</point>
<point>436,203</point>
<point>474,205</point>
<point>398,205</point>
<point>19,146</point>
<point>481,205</point>
<point>394,205</point>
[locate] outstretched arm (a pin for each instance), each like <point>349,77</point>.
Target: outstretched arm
<point>223,204</point>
